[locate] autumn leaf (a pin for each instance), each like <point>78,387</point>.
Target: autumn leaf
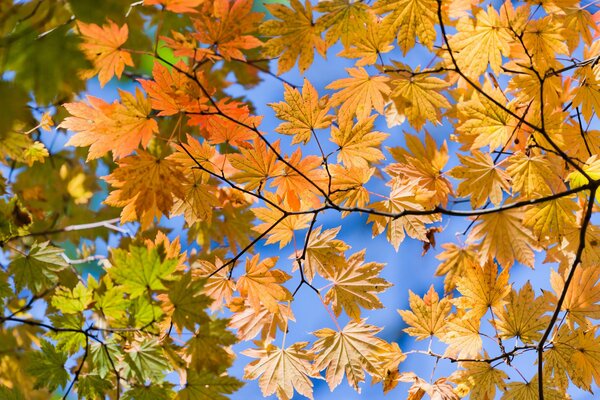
<point>261,284</point>
<point>177,6</point>
<point>304,112</point>
<point>481,379</point>
<point>348,352</point>
<point>293,36</point>
<point>482,179</point>
<point>323,253</point>
<point>358,143</point>
<point>342,20</point>
<point>427,316</point>
<point>102,45</point>
<point>146,187</point>
<point>281,371</point>
<point>354,285</point>
<point>360,93</point>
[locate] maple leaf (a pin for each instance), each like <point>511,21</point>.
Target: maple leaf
<point>587,94</point>
<point>282,370</point>
<point>360,94</point>
<point>294,36</point>
<point>118,127</point>
<point>488,124</point>
<point>481,378</point>
<point>551,218</point>
<point>410,18</point>
<point>303,112</point>
<point>523,315</point>
<point>249,322</point>
<point>140,270</point>
<point>172,91</point>
<point>355,285</point>
<point>282,231</point>
<point>47,366</point>
<point>300,180</point>
<point>38,269</point>
<point>218,285</point>
<point>482,289</point>
<point>582,296</point>
<point>208,386</point>
<point>427,316</point>
<point>439,390</point>
<point>532,175</point>
<point>146,187</point>
<point>482,179</point>
<point>261,284</point>
<point>184,303</point>
<point>424,163</point>
<point>228,28</point>
<point>348,185</point>
<point>350,352</point>
<point>358,143</point>
<point>418,96</point>
<point>403,196</point>
<point>463,337</point>
<point>256,165</point>
<point>507,241</point>
<point>479,41</point>
<point>369,43</point>
<point>102,45</point>
<point>177,6</point>
<point>323,252</point>
<point>342,20</point>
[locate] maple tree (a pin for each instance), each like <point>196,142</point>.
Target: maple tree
<point>481,114</point>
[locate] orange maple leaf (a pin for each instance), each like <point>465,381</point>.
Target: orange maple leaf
<point>102,45</point>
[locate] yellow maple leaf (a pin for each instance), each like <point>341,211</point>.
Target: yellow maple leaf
<point>303,112</point>
<point>403,196</point>
<point>146,187</point>
<point>533,175</point>
<point>294,35</point>
<point>323,252</point>
<point>480,378</point>
<point>281,232</point>
<point>587,94</point>
<point>418,96</point>
<point>552,219</point>
<point>261,284</point>
<point>102,45</point>
<point>427,316</point>
<point>410,19</point>
<point>582,297</point>
<point>360,94</point>
<point>348,185</point>
<point>369,43</point>
<point>504,237</point>
<point>482,289</point>
<point>423,162</point>
<point>249,322</point>
<point>358,143</point>
<point>342,19</point>
<point>462,336</point>
<point>355,285</point>
<point>523,316</point>
<point>481,179</point>
<point>218,286</point>
<point>349,352</point>
<point>280,371</point>
<point>455,260</point>
<point>256,165</point>
<point>480,41</point>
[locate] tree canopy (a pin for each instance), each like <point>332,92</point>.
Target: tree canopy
<point>140,181</point>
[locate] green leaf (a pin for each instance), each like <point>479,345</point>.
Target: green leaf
<point>151,392</point>
<point>207,348</point>
<point>37,270</point>
<point>93,387</point>
<point>72,338</point>
<point>140,270</point>
<point>71,301</point>
<point>146,361</point>
<point>10,394</point>
<point>102,356</point>
<point>187,303</point>
<point>47,366</point>
<point>208,386</point>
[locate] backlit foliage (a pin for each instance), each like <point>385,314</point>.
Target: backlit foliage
<point>481,114</point>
